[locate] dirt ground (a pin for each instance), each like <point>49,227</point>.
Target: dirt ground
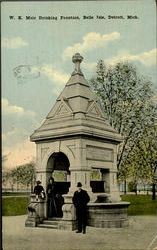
<point>141,234</point>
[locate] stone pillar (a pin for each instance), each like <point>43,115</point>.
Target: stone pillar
<point>44,177</point>
<point>114,192</point>
<point>80,175</point>
<point>36,211</point>
<point>68,177</point>
<point>79,170</point>
<point>106,179</point>
<point>83,176</point>
<point>68,221</point>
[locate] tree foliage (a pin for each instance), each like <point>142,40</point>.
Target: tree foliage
<point>126,98</point>
<point>5,178</point>
<point>142,160</point>
<point>24,174</point>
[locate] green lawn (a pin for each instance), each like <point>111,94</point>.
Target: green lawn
<point>14,194</point>
<point>14,206</point>
<point>141,204</point>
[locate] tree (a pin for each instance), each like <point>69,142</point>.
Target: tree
<point>26,174</point>
<point>12,178</point>
<point>125,97</point>
<point>5,177</point>
<point>142,159</point>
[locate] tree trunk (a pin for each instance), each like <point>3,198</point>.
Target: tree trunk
<point>31,186</point>
<point>125,187</point>
<point>136,188</point>
<point>153,192</point>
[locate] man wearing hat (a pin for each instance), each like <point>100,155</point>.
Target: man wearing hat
<point>38,189</point>
<point>80,200</point>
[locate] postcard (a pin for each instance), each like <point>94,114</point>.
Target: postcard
<point>51,51</point>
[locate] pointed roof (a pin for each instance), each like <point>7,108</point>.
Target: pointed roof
<point>76,112</point>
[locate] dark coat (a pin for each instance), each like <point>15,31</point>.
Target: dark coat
<point>50,190</point>
<point>38,189</point>
<point>80,199</point>
<point>52,207</point>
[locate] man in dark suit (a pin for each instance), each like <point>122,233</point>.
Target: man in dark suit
<point>80,200</point>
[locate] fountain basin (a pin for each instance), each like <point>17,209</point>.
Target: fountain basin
<point>107,215</point>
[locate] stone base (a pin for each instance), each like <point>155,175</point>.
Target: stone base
<point>67,225</point>
<point>106,215</point>
<point>35,210</point>
<point>68,222</point>
<point>32,221</point>
<point>100,215</point>
<point>109,223</point>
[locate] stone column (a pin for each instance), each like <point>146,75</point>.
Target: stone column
<point>44,177</point>
<point>106,179</point>
<point>114,192</point>
<point>68,221</point>
<point>80,172</point>
<point>80,175</point>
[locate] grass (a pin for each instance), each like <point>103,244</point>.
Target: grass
<point>14,206</point>
<point>141,204</point>
<point>15,194</point>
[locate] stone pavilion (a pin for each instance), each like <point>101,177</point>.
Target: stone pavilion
<point>76,138</point>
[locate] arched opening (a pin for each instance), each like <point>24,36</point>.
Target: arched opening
<point>57,167</point>
<point>58,163</point>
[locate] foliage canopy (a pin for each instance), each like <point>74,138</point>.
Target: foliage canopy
<point>126,99</point>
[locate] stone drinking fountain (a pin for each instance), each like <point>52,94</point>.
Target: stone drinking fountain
<point>76,138</point>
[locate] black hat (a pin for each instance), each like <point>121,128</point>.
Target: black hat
<point>38,182</point>
<point>79,184</point>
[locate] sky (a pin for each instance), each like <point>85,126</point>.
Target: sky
<point>36,57</point>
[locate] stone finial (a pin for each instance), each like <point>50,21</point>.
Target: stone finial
<point>77,59</point>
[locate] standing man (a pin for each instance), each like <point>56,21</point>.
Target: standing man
<point>80,200</point>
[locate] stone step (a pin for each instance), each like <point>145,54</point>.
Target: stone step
<point>50,222</point>
<point>54,219</point>
<point>48,226</point>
